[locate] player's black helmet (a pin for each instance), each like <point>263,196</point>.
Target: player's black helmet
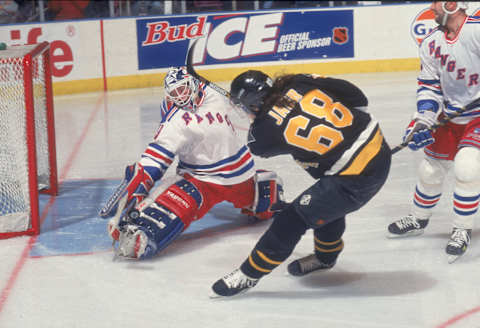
<point>249,89</point>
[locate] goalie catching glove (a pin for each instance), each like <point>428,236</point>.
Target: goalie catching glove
<point>269,196</point>
<point>419,132</point>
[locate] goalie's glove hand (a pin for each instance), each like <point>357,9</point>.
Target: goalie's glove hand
<point>417,135</point>
<point>136,185</point>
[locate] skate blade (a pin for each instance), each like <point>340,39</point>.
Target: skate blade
<point>453,258</point>
<point>215,296</point>
<point>405,235</point>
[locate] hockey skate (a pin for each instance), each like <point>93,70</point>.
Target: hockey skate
<point>232,284</point>
<point>308,264</point>
<point>407,227</point>
<point>458,243</point>
<point>135,243</point>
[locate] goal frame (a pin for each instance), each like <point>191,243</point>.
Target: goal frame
<point>28,74</point>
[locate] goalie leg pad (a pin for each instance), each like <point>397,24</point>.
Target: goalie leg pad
<point>269,196</point>
<point>149,231</point>
<point>182,198</point>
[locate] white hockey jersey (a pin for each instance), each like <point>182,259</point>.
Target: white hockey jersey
<point>205,142</point>
<point>449,77</point>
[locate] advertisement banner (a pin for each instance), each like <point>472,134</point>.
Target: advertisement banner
<point>245,37</point>
<point>425,22</point>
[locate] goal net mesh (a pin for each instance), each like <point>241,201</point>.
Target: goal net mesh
<point>14,168</point>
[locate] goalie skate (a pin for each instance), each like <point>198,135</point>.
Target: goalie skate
<point>135,243</point>
<point>408,226</point>
<point>458,244</point>
<point>232,284</point>
<point>307,264</point>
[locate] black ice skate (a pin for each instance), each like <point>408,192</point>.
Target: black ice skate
<point>458,243</point>
<point>232,284</point>
<point>407,227</point>
<point>308,264</point>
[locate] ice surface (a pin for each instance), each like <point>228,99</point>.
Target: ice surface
<point>66,277</point>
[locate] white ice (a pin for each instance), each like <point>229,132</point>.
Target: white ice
<point>377,282</point>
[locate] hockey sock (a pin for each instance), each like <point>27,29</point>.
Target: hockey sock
<point>276,244</point>
<point>328,241</point>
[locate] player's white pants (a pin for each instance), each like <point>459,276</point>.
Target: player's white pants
<point>431,176</point>
<point>467,187</point>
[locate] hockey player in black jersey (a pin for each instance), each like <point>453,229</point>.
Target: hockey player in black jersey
<point>323,124</point>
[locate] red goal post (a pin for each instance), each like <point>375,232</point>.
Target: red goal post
<point>27,137</point>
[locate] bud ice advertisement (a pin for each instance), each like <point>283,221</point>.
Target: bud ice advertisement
<point>245,37</point>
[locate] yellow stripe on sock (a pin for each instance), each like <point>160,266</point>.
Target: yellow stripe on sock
<point>331,250</point>
<point>323,250</point>
<point>327,243</point>
<point>256,267</point>
<point>266,259</point>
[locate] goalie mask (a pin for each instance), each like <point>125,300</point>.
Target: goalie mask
<point>182,88</point>
<point>250,89</point>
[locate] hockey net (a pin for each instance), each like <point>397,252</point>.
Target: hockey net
<point>27,137</point>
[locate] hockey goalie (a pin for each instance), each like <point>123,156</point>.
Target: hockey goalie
<point>214,165</point>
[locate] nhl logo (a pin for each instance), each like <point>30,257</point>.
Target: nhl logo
<point>305,200</point>
<point>340,35</point>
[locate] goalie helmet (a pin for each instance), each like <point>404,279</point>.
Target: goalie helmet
<point>250,89</point>
<point>181,88</point>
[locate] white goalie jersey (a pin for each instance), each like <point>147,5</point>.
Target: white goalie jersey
<point>205,141</point>
<point>449,77</point>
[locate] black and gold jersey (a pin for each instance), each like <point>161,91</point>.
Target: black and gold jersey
<point>328,131</point>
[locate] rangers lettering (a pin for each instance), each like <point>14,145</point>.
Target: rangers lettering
<point>473,80</point>
<point>187,118</point>
<point>451,65</point>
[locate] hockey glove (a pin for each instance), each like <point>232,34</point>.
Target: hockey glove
<point>418,135</point>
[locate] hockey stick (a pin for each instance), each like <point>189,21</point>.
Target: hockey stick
<point>236,102</point>
<point>440,123</point>
<point>191,71</point>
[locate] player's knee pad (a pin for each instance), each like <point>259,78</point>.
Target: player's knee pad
<point>182,198</point>
<point>432,172</point>
<point>467,167</point>
<point>269,196</point>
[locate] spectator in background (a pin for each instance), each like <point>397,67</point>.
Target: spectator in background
<point>65,10</point>
<point>147,8</point>
<point>97,9</point>
<point>8,11</point>
<point>27,11</point>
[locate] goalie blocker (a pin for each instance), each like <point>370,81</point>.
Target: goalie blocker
<point>156,222</point>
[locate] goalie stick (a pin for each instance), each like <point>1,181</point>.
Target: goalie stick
<point>440,123</point>
<point>191,71</point>
<point>237,104</point>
